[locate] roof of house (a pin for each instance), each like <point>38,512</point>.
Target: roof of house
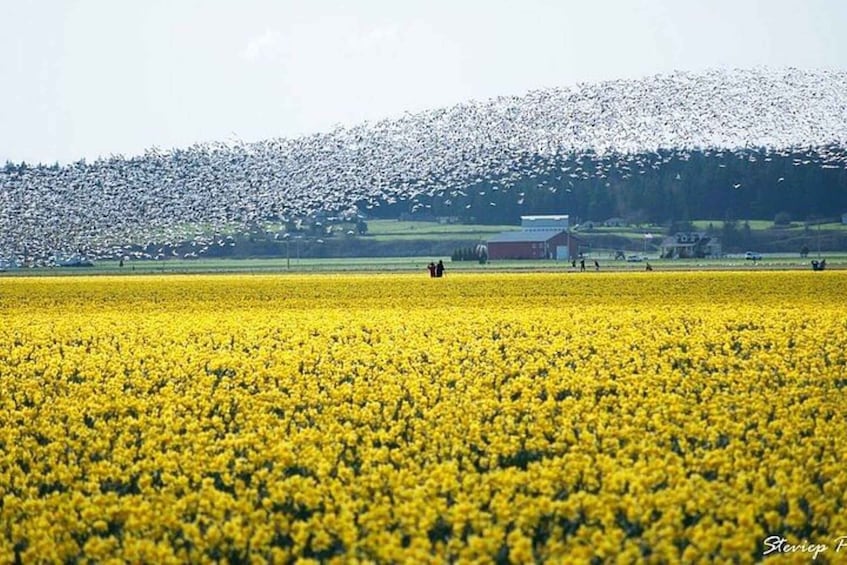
<point>673,241</point>
<point>545,217</point>
<point>524,236</point>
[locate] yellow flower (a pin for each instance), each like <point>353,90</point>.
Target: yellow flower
<point>343,418</point>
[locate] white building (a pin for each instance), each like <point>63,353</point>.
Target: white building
<point>534,223</point>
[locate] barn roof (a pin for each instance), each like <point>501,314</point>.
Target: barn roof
<point>534,236</point>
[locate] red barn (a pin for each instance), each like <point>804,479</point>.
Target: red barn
<point>533,244</point>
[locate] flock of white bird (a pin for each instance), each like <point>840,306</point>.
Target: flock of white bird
<point>119,206</point>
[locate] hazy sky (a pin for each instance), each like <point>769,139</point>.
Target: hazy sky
<point>83,78</point>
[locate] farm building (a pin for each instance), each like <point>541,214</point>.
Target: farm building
<point>540,237</point>
<point>690,245</point>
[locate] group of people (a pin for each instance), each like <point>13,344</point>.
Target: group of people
<point>582,264</point>
<point>436,269</point>
<point>596,265</point>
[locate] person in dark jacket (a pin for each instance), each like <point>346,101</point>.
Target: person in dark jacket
<point>439,269</point>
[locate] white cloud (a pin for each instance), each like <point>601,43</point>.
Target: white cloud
<point>266,46</point>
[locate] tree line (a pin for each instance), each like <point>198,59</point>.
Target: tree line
<point>660,188</point>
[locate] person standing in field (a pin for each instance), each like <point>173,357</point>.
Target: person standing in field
<point>439,269</point>
<point>431,268</point>
<point>596,265</point>
<point>582,264</point>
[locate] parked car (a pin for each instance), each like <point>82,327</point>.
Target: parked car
<point>753,256</point>
<point>636,258</point>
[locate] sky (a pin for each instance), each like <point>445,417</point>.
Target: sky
<point>91,78</point>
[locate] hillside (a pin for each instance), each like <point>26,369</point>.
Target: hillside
<point>720,144</point>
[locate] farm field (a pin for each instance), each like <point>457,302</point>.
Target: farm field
<point>394,229</point>
<point>353,265</point>
<point>664,416</point>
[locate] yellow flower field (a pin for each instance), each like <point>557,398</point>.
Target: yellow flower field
<point>664,417</point>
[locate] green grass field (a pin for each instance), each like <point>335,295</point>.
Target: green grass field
<point>758,225</point>
<point>385,230</point>
<point>703,225</point>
